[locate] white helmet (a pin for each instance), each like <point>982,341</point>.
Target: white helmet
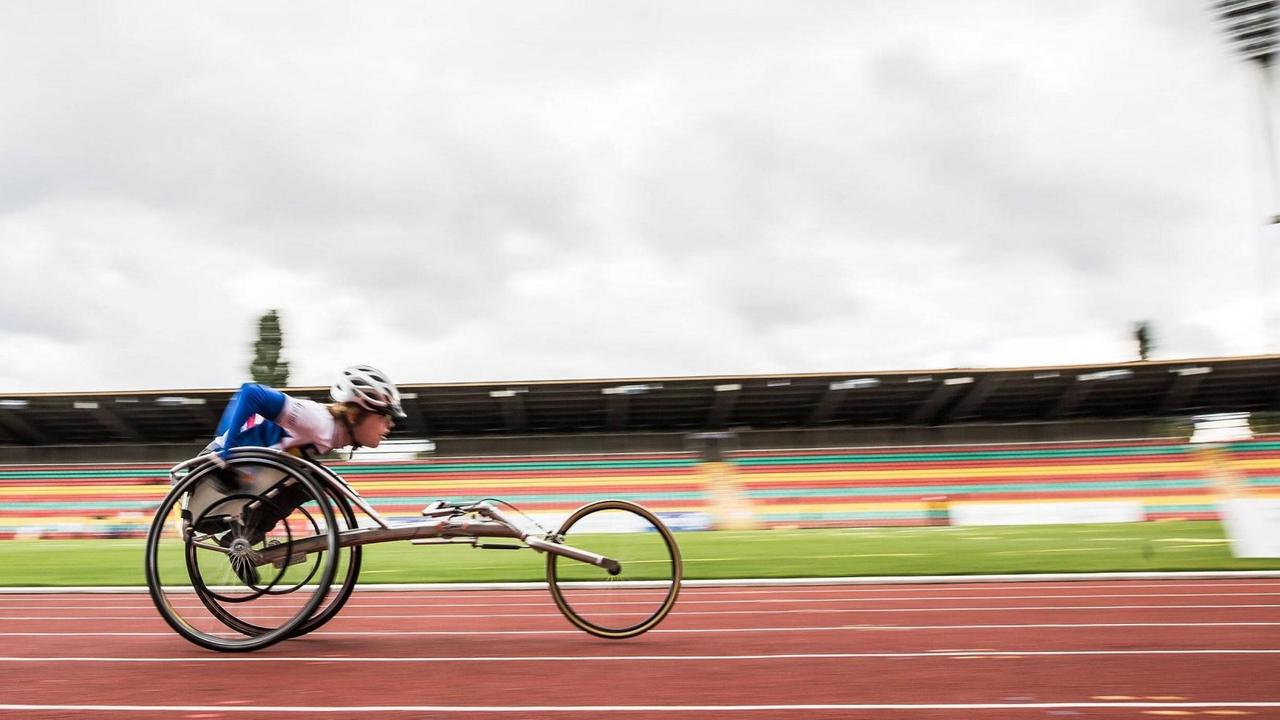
<point>368,388</point>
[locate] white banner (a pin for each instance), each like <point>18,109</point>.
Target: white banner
<point>1253,524</point>
<point>1047,513</point>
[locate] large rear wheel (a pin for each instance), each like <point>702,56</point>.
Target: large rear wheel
<point>643,589</point>
<point>346,573</point>
<point>242,557</point>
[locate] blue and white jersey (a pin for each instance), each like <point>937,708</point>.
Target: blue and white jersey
<point>259,416</point>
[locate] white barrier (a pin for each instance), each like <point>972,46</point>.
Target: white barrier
<point>1047,513</point>
<point>1253,524</point>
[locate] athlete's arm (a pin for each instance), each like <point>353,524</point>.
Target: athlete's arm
<point>252,399</point>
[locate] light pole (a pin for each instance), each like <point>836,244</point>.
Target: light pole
<point>1253,28</point>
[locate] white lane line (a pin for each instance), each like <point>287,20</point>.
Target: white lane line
<point>500,616</point>
<point>690,631</point>
<point>528,709</point>
<point>590,597</point>
<point>983,587</point>
<point>860,581</point>
<point>685,600</point>
<point>628,658</point>
<point>1029,608</point>
<point>701,597</point>
<point>353,604</point>
<point>368,591</point>
<point>459,597</point>
<point>372,590</point>
<point>708,598</point>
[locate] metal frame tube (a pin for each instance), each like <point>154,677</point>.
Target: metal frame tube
<point>338,483</point>
<point>498,525</point>
<point>442,529</point>
<point>574,553</point>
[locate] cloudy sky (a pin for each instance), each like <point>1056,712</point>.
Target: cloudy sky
<point>544,190</point>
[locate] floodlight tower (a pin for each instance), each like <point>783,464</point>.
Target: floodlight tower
<point>1253,28</point>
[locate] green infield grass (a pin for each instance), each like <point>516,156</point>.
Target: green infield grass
<point>1151,546</point>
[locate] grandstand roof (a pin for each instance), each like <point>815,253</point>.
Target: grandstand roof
<point>1165,388</point>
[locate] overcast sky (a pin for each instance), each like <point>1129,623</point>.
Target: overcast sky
<point>545,190</point>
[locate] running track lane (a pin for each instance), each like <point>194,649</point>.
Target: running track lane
<point>1020,650</point>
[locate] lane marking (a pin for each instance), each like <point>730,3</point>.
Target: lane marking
<point>364,594</point>
<point>919,580</point>
<point>685,600</point>
<point>1026,608</point>
<point>354,603</point>
<point>526,709</point>
<point>260,612</point>
<point>688,631</point>
<point>373,591</point>
<point>627,658</point>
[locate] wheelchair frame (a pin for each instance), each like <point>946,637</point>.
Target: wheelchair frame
<point>444,527</point>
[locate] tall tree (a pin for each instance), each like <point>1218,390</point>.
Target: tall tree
<point>1142,336</point>
<point>268,367</point>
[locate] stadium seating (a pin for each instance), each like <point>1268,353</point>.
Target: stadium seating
<point>804,488</point>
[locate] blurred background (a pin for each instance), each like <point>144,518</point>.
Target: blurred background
<point>881,274</point>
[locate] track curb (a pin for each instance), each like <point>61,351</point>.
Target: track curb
<point>744,582</point>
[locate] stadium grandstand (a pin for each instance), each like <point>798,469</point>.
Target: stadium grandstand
<point>803,450</point>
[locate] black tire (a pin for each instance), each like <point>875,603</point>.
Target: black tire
<point>204,545</point>
<point>640,594</point>
<point>348,567</point>
<point>340,590</point>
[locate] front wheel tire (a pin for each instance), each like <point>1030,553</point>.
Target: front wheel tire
<point>644,588</point>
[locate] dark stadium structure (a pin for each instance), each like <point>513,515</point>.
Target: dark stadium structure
<point>1134,399</point>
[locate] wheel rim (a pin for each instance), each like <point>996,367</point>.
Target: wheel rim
<point>640,595</point>
<point>193,580</point>
<point>227,601</point>
<point>234,578</point>
<point>346,571</point>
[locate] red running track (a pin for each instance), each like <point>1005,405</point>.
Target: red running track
<point>1088,649</point>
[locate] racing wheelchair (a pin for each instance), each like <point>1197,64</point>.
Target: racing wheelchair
<point>262,546</point>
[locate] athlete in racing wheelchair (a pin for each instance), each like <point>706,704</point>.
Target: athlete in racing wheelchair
<point>364,408</point>
<point>257,541</point>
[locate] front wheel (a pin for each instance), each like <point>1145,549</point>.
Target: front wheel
<point>643,589</point>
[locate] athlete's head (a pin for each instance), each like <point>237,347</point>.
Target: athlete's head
<point>374,400</point>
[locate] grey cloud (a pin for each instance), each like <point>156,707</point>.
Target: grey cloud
<point>580,188</point>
